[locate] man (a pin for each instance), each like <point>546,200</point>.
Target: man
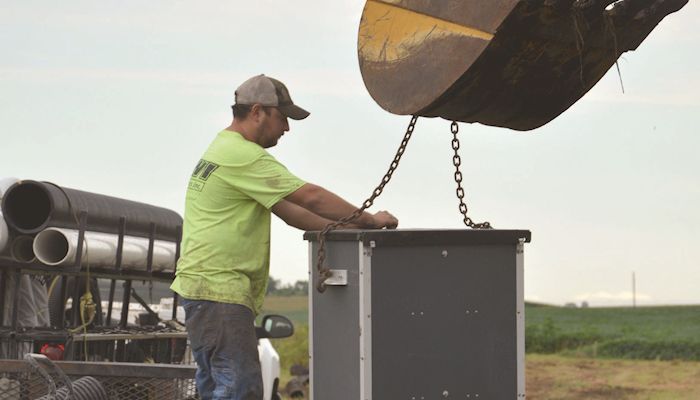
<point>222,274</point>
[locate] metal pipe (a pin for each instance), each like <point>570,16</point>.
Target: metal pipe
<point>14,323</point>
<point>77,262</point>
<point>99,337</point>
<point>126,299</point>
<point>58,246</point>
<point>110,304</point>
<point>178,245</point>
<point>117,266</point>
<point>31,206</point>
<point>4,285</point>
<point>61,321</point>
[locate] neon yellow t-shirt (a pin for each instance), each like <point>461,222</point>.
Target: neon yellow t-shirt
<point>226,232</point>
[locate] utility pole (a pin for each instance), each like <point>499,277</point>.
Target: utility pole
<point>634,291</point>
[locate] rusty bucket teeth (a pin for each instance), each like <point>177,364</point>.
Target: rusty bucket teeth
<point>510,63</point>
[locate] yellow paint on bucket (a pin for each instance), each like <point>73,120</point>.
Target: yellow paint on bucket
<point>389,32</point>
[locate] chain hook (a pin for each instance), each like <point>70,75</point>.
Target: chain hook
<point>324,272</point>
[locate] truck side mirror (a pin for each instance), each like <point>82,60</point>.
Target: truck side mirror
<point>277,326</point>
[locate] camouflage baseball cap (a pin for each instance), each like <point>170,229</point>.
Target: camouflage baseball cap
<point>269,92</point>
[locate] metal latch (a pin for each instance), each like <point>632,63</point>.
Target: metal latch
<point>339,277</point>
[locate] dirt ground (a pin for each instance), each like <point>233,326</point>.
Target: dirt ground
<point>564,378</point>
<point>552,377</point>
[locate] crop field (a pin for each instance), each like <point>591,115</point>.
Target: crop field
<point>577,353</point>
<point>651,323</point>
<point>650,333</point>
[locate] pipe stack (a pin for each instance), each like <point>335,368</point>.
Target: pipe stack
<point>41,219</point>
<point>59,246</point>
<point>5,239</point>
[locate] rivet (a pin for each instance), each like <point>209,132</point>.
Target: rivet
<point>444,254</point>
<point>445,393</point>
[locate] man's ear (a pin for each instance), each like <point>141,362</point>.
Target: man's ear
<point>256,112</point>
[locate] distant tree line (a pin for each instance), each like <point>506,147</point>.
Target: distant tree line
<point>276,288</point>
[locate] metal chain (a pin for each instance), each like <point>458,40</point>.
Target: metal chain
<point>457,161</point>
<point>324,272</point>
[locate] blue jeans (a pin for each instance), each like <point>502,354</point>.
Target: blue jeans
<point>224,345</point>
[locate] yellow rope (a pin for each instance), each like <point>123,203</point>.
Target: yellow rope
<point>53,285</point>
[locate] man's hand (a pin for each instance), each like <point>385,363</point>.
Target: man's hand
<point>384,219</point>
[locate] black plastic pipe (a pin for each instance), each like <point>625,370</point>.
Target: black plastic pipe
<point>85,388</point>
<point>30,206</point>
<point>21,249</point>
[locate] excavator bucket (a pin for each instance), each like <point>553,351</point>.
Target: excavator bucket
<point>510,63</point>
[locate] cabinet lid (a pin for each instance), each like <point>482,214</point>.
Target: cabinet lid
<point>406,237</point>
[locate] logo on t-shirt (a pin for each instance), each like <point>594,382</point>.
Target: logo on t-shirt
<point>204,169</point>
<point>201,173</point>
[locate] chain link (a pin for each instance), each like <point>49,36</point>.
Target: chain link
<point>324,272</point>
<point>457,161</point>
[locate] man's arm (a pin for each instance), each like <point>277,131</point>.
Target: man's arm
<point>302,218</point>
<point>299,217</point>
<point>332,207</point>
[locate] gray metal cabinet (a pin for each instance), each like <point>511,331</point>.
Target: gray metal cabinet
<point>418,315</point>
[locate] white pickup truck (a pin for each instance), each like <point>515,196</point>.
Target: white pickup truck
<point>272,326</point>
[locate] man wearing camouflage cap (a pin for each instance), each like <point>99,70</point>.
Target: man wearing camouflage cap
<point>222,274</point>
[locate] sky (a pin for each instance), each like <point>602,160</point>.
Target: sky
<point>122,98</point>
